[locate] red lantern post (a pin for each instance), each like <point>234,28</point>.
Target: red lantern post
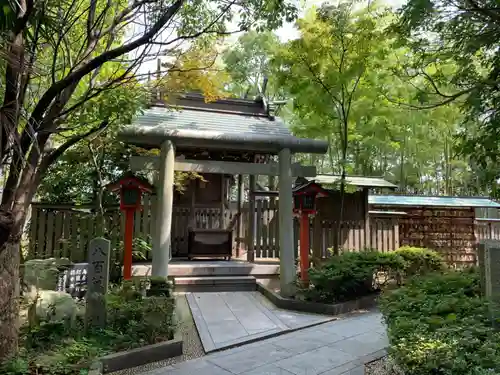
<point>305,206</point>
<point>131,189</point>
<point>304,246</point>
<point>127,243</point>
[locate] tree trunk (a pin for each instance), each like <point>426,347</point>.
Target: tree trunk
<point>11,228</point>
<point>9,298</point>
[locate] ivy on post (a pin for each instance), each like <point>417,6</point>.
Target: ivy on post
<point>97,282</point>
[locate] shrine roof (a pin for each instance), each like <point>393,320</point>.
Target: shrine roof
<point>415,200</point>
<point>228,124</point>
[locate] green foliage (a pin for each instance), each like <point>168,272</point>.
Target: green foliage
<point>343,277</point>
<point>68,348</point>
<point>355,274</point>
<point>419,261</point>
<point>160,286</point>
<point>141,248</point>
<point>147,319</point>
<point>439,324</point>
<point>247,63</point>
<point>456,58</point>
<point>80,78</point>
<point>343,68</point>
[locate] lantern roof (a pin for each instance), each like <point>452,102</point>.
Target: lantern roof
<point>131,180</point>
<point>310,187</point>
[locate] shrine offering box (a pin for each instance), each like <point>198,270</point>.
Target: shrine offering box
<point>210,243</point>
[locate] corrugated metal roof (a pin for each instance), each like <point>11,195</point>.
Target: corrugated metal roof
<point>196,127</point>
<point>353,180</point>
<point>392,213</point>
<point>402,200</point>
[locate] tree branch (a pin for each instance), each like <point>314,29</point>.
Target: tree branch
<point>55,154</point>
<point>96,62</point>
<point>431,106</point>
<point>90,19</point>
<point>23,16</point>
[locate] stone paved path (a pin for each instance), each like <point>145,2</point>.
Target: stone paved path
<point>335,348</point>
<point>226,319</point>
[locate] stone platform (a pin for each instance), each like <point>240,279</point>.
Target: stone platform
<point>341,347</point>
<point>228,319</point>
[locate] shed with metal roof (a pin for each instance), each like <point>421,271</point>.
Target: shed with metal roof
<point>446,224</point>
<point>431,201</point>
<point>358,181</point>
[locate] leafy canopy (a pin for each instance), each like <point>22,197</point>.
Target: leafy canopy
<point>458,58</point>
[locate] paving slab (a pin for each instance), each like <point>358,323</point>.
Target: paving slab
<point>333,348</point>
<point>316,361</point>
<point>227,319</point>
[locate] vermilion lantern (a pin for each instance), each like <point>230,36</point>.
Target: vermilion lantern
<point>131,189</point>
<point>304,204</point>
<point>304,197</point>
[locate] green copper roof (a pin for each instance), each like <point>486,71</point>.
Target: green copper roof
<point>402,200</point>
<point>227,124</point>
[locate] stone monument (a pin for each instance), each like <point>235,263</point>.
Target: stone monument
<point>97,282</point>
<point>489,268</point>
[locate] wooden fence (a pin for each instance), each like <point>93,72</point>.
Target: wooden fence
<point>65,230</point>
<point>487,229</point>
<point>266,229</point>
<point>383,235</point>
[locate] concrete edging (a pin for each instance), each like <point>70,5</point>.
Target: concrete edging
<point>316,307</point>
<point>137,357</point>
<point>369,358</point>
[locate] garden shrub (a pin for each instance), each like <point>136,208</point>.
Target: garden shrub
<point>355,274</point>
<point>146,320</point>
<point>67,347</point>
<point>419,261</point>
<point>439,324</point>
<point>343,277</point>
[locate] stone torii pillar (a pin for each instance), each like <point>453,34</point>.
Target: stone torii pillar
<point>165,197</point>
<point>287,256</point>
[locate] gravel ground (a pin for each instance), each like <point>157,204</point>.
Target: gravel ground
<point>192,347</point>
<point>382,366</point>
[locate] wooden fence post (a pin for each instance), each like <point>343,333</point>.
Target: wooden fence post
<point>317,242</point>
<point>251,220</point>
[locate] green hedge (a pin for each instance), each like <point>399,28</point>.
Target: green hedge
<point>418,261</point>
<point>439,324</point>
<point>355,274</point>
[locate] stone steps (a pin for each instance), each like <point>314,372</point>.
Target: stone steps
<point>214,283</point>
<point>213,268</point>
<point>222,269</point>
